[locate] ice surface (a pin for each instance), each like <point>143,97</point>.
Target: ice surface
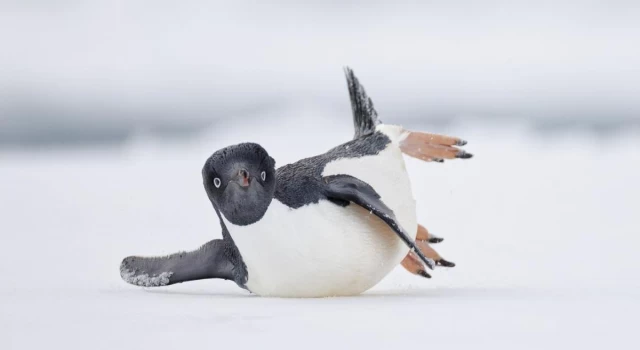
<point>544,233</point>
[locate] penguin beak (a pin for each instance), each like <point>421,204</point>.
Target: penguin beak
<point>243,178</point>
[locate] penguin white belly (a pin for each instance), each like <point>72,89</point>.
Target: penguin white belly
<point>323,249</point>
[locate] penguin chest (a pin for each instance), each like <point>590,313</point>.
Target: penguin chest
<point>323,249</point>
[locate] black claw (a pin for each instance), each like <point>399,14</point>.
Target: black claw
<point>461,142</point>
<point>435,239</point>
<point>424,274</point>
<point>439,160</point>
<point>445,263</point>
<point>464,155</point>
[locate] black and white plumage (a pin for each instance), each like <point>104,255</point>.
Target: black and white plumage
<point>333,224</point>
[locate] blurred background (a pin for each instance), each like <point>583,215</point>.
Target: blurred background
<point>100,71</point>
<point>108,110</point>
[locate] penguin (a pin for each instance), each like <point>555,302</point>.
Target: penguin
<point>334,224</point>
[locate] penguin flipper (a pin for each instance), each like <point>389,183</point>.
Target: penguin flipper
<point>209,261</point>
<point>345,189</point>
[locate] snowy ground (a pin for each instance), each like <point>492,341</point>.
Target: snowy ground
<point>544,232</point>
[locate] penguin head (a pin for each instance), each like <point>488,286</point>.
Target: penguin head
<point>240,181</point>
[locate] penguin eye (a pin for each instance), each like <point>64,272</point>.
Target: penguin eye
<point>216,182</point>
<point>263,175</point>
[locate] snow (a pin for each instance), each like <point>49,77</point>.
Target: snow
<point>144,280</point>
<point>543,230</point>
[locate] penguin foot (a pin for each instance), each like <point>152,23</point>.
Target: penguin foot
<point>435,239</point>
<point>432,147</point>
<point>423,238</point>
<point>413,264</point>
<point>445,263</point>
<point>431,253</point>
<point>424,235</point>
<point>424,274</point>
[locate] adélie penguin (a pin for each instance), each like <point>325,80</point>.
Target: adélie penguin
<point>330,225</point>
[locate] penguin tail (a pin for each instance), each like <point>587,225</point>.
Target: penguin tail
<point>365,117</point>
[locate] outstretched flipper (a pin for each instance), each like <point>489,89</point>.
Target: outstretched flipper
<point>209,261</point>
<point>343,189</point>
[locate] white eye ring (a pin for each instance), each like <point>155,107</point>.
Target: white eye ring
<point>263,175</point>
<point>217,182</point>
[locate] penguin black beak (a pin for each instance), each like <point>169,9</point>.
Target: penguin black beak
<point>243,178</point>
